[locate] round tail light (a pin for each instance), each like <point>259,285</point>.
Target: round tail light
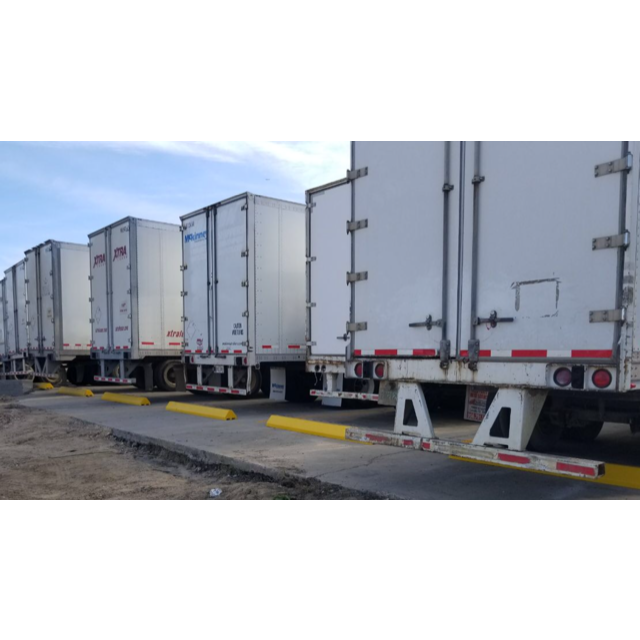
<point>358,369</point>
<point>562,377</point>
<point>601,378</point>
<point>379,370</point>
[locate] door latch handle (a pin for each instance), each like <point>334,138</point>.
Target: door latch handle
<point>344,337</point>
<point>429,323</point>
<point>493,319</point>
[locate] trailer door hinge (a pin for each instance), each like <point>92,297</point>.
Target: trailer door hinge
<point>352,327</point>
<point>612,242</point>
<point>477,179</point>
<point>311,205</point>
<point>183,293</point>
<point>245,314</point>
<point>357,173</point>
<point>614,315</point>
<point>245,283</point>
<point>90,277</point>
<point>356,277</point>
<point>357,224</point>
<point>492,320</point>
<point>447,187</point>
<point>245,207</point>
<point>311,305</point>
<point>429,323</point>
<point>615,166</point>
<point>183,267</point>
<point>311,258</point>
<point>245,253</point>
<point>91,321</point>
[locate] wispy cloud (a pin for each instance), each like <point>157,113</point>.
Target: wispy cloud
<point>304,164</point>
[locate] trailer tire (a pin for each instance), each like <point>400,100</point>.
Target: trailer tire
<point>587,433</point>
<point>545,436</point>
<point>256,383</point>
<point>165,375</point>
<point>58,379</point>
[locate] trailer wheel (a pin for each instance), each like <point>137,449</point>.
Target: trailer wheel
<point>256,383</point>
<point>165,375</point>
<point>57,379</point>
<point>545,436</point>
<point>587,433</point>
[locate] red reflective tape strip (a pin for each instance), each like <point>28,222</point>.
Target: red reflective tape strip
<point>65,345</point>
<point>78,345</point>
<point>385,352</point>
<point>266,346</point>
<point>464,354</point>
<point>234,391</point>
<point>176,344</point>
<point>426,446</point>
<point>223,351</point>
<point>238,351</point>
<point>294,346</point>
<point>576,468</point>
<point>198,351</point>
<point>357,352</point>
<point>407,443</point>
<point>147,343</point>
<point>375,438</point>
<point>484,354</point>
<point>199,388</point>
<point>507,457</point>
<point>424,352</point>
<point>529,353</point>
<point>125,347</point>
<point>591,353</point>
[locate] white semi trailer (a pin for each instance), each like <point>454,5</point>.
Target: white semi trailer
<point>3,331</point>
<point>511,266</point>
<point>328,295</point>
<point>16,327</point>
<point>58,312</point>
<point>136,305</point>
<point>244,298</point>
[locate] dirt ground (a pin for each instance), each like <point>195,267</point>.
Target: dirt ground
<point>46,456</point>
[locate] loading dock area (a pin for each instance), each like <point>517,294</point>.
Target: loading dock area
<point>249,445</point>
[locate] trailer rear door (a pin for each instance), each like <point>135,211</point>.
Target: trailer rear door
<point>120,261</point>
<point>3,345</point>
<point>100,261</point>
<point>47,316</point>
<point>399,214</point>
<point>232,279</point>
<point>33,301</point>
<point>535,277</point>
<point>21,303</point>
<point>330,260</point>
<point>197,281</point>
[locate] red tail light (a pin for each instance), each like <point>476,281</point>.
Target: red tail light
<point>601,378</point>
<point>358,369</point>
<point>380,370</point>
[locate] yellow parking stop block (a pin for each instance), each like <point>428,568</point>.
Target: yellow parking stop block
<point>310,427</point>
<point>43,386</point>
<point>81,393</point>
<point>202,412</point>
<point>136,401</point>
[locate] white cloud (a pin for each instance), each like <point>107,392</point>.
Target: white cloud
<point>304,164</point>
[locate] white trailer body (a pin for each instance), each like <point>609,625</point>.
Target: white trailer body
<point>3,321</point>
<point>135,301</point>
<point>16,328</point>
<point>497,264</point>
<point>58,308</point>
<point>244,292</point>
<point>328,294</point>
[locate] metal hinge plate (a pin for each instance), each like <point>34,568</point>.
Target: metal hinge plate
<point>311,305</point>
<point>183,267</point>
<point>311,344</point>
<point>311,258</point>
<point>357,224</point>
<point>357,173</point>
<point>311,205</point>
<point>612,242</point>
<point>614,315</point>
<point>245,283</point>
<point>616,166</point>
<point>357,277</point>
<point>183,293</point>
<point>245,314</point>
<point>352,327</point>
<point>245,253</point>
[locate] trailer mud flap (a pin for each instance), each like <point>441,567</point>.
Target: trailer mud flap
<point>278,387</point>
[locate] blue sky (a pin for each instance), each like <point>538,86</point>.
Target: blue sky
<point>65,190</point>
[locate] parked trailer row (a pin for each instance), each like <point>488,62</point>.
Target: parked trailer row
<point>505,266</point>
